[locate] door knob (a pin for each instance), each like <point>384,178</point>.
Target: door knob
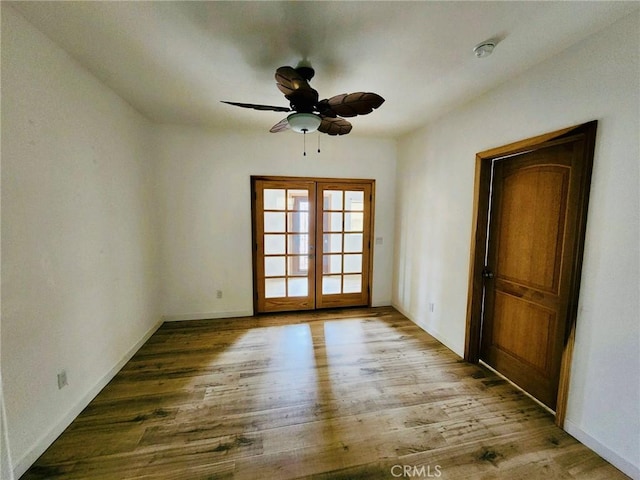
<point>487,273</point>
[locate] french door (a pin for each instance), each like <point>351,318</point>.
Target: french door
<point>312,246</point>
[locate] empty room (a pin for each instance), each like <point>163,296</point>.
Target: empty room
<point>327,240</point>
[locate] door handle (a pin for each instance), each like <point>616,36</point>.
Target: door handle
<point>487,273</point>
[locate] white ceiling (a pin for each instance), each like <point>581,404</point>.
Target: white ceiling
<point>175,61</point>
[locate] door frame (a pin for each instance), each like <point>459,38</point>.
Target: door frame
<point>280,178</point>
<point>480,219</point>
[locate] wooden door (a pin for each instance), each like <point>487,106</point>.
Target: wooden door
<point>533,240</point>
<point>344,244</point>
<point>284,233</point>
<point>311,254</point>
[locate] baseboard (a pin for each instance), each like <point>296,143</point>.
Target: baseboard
<point>385,303</point>
<point>443,340</point>
<point>622,464</point>
<point>22,465</point>
<point>402,311</point>
<point>206,316</point>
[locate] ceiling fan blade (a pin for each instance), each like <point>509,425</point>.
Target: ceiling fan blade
<point>296,89</point>
<point>289,80</point>
<point>259,107</point>
<point>334,126</point>
<point>281,126</point>
<point>352,104</point>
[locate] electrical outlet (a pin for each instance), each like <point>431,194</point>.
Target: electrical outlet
<point>62,379</point>
<point>218,293</point>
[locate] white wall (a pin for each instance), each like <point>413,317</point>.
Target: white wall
<point>6,465</point>
<point>79,261</point>
<point>81,264</point>
<point>205,208</point>
<point>597,79</point>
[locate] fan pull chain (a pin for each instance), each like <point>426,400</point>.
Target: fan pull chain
<point>304,142</point>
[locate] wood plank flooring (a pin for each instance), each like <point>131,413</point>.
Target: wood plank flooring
<point>351,394</point>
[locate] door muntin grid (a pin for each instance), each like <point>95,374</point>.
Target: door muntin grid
<point>342,241</point>
<point>286,242</point>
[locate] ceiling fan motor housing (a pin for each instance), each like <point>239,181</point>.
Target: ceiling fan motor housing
<point>306,72</point>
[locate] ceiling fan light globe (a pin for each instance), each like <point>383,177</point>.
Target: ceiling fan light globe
<point>304,122</point>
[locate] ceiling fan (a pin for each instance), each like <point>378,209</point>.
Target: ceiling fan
<point>309,113</point>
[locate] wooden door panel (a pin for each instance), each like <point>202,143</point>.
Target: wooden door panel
<point>524,330</point>
<point>523,334</point>
<point>530,235</point>
<point>524,292</point>
<point>532,224</point>
<point>538,385</point>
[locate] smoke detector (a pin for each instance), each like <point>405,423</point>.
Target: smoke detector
<point>484,49</point>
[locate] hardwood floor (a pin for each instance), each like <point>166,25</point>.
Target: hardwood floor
<point>352,394</point>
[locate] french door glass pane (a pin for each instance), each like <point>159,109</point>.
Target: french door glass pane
<point>298,200</point>
<point>274,244</point>
<point>298,244</point>
<point>274,199</point>
<point>274,287</point>
<point>352,283</point>
<point>298,287</point>
<point>332,264</point>
<point>274,221</point>
<point>332,200</point>
<point>354,222</point>
<point>331,284</point>
<point>332,242</point>
<point>354,200</point>
<point>353,263</point>
<point>274,266</point>
<point>353,242</point>
<point>298,222</point>
<point>298,265</point>
<point>332,222</point>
